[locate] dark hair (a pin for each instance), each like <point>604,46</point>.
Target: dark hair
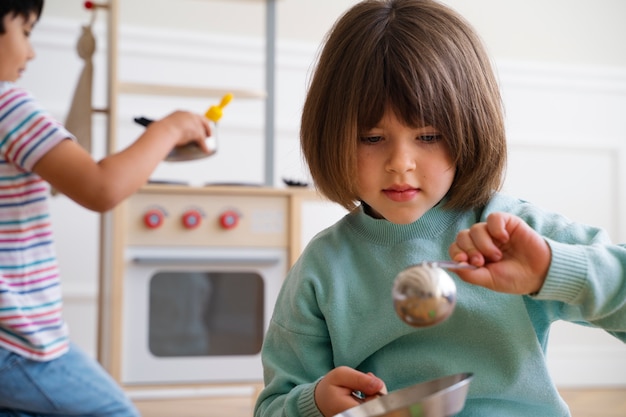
<point>426,63</point>
<point>19,8</point>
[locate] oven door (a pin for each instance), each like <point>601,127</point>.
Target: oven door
<point>197,315</point>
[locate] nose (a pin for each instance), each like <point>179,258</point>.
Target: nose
<point>400,158</point>
<point>31,52</point>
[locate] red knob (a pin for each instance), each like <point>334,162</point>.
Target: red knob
<point>229,219</point>
<point>153,218</point>
<point>191,219</point>
<point>88,5</point>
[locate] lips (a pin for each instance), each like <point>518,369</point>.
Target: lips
<point>401,194</point>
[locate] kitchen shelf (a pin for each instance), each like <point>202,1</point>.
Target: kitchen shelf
<point>118,87</point>
<point>185,91</point>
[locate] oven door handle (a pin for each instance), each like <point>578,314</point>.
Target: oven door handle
<point>177,260</point>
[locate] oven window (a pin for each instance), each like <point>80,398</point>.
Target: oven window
<point>205,313</point>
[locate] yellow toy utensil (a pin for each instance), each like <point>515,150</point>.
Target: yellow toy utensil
<point>215,112</point>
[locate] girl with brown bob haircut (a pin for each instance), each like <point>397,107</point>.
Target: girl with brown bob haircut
<point>431,68</point>
<point>403,125</point>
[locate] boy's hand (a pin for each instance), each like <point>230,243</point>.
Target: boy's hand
<point>512,257</point>
<point>186,127</point>
<point>333,393</point>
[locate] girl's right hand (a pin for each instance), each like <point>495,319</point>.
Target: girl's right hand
<point>333,393</point>
<point>511,257</point>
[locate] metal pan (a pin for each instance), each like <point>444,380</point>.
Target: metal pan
<point>191,151</point>
<point>443,397</point>
<point>187,152</point>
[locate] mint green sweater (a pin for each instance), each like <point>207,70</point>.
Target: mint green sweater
<point>335,308</point>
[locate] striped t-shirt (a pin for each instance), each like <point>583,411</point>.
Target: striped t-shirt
<point>31,323</point>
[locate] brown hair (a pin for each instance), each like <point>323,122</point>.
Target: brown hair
<point>424,61</point>
<point>19,8</point>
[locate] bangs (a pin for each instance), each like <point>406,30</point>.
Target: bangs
<point>405,81</point>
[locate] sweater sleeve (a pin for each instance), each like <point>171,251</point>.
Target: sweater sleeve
<point>586,281</point>
<point>285,393</point>
<point>296,351</point>
<point>590,280</point>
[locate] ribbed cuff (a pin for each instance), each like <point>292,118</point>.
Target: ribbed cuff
<point>306,402</point>
<point>567,274</point>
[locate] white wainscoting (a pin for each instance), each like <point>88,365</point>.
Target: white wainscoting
<point>566,130</point>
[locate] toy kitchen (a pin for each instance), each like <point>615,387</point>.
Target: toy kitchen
<point>190,271</point>
<point>190,276</point>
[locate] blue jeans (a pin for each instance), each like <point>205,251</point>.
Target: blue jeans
<point>72,385</point>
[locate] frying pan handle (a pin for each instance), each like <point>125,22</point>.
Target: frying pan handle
<point>143,121</point>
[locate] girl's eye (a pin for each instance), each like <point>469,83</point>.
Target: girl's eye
<point>435,137</point>
<point>370,139</point>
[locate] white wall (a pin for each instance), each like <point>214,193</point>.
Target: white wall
<point>576,32</point>
<point>565,109</point>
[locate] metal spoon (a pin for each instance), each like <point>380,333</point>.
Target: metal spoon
<point>425,294</point>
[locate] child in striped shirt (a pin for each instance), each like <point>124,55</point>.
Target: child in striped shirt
<point>41,371</point>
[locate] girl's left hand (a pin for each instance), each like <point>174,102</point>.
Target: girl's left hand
<point>333,393</point>
<point>511,256</point>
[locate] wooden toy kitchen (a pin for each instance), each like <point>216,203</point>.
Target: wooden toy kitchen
<point>189,273</point>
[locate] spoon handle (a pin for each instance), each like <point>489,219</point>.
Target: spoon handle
<point>449,265</point>
<point>361,397</point>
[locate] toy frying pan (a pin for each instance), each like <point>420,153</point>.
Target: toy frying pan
<point>192,151</point>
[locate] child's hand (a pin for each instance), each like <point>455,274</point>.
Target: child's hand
<point>333,393</point>
<point>513,257</point>
<point>186,127</point>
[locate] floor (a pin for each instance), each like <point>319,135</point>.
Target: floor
<point>231,407</point>
<point>583,403</point>
<point>596,402</point>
